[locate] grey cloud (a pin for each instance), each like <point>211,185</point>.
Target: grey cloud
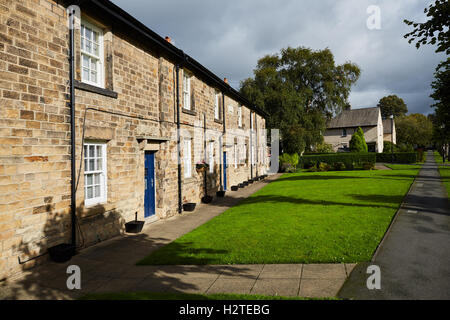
<point>229,37</point>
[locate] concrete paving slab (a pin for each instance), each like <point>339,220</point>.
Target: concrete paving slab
<point>281,271</point>
<point>239,285</point>
<point>250,271</point>
<point>324,271</point>
<point>277,287</point>
<point>320,288</point>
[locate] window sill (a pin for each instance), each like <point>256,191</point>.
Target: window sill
<point>90,88</point>
<point>187,111</point>
<point>218,121</point>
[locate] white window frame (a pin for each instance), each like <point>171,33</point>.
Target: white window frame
<point>103,176</point>
<point>99,63</point>
<point>187,155</point>
<point>216,106</point>
<point>211,156</point>
<point>186,91</point>
<point>240,116</point>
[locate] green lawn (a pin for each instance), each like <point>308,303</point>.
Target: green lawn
<point>444,172</point>
<point>313,217</point>
<point>185,296</point>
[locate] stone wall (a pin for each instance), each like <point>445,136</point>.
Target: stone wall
<point>138,101</point>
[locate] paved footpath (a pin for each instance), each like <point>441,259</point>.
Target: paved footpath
<point>110,266</point>
<point>414,258</point>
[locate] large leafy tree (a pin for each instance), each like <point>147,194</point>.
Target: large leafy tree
<point>435,30</point>
<point>299,88</point>
<point>392,105</point>
<point>414,129</point>
<point>441,95</point>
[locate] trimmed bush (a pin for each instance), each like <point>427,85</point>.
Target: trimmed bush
<point>339,166</point>
<point>358,141</point>
<point>289,162</point>
<point>323,166</point>
<point>399,157</point>
<point>348,159</point>
<point>368,165</point>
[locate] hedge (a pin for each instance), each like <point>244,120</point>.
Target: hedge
<point>347,158</point>
<point>399,157</point>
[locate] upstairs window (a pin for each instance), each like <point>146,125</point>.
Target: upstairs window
<point>186,91</point>
<point>240,116</point>
<point>91,54</point>
<point>94,173</point>
<point>217,106</point>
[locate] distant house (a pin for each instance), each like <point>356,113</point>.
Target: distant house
<point>341,128</point>
<point>389,132</point>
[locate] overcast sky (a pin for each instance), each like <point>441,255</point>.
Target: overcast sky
<point>228,37</point>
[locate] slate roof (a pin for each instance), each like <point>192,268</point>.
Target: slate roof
<point>387,126</point>
<point>364,117</point>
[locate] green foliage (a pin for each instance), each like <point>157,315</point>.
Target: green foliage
<point>289,162</point>
<point>441,96</point>
<point>358,141</point>
<point>387,145</point>
<point>339,166</point>
<point>324,147</point>
<point>399,157</point>
<point>368,165</point>
<point>438,22</point>
<point>414,129</point>
<point>323,166</point>
<point>298,88</point>
<point>392,105</point>
<point>348,159</point>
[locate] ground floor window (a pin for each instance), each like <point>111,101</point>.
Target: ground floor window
<point>187,158</point>
<point>211,157</point>
<point>95,175</point>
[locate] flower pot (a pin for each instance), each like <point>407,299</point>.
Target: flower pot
<point>234,188</point>
<point>245,183</point>
<point>61,252</point>
<point>241,185</point>
<point>207,199</point>
<point>220,193</point>
<point>250,181</point>
<point>255,179</point>
<point>134,226</point>
<point>190,206</point>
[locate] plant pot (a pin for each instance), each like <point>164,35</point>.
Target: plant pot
<point>234,188</point>
<point>134,226</point>
<point>245,183</point>
<point>61,252</point>
<point>255,179</point>
<point>241,185</point>
<point>250,181</point>
<point>207,199</point>
<point>190,206</point>
<point>220,194</point>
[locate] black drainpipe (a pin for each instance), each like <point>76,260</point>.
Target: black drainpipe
<point>73,205</point>
<point>180,198</point>
<point>222,143</point>
<point>257,144</point>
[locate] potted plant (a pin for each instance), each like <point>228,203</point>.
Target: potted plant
<point>190,206</point>
<point>61,252</point>
<point>134,226</point>
<point>220,193</point>
<point>201,166</point>
<point>234,188</point>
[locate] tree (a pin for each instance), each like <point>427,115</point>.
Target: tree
<point>414,129</point>
<point>392,105</point>
<point>358,141</point>
<point>438,22</point>
<point>441,95</point>
<point>299,88</point>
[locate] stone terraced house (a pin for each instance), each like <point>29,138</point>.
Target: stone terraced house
<point>131,89</point>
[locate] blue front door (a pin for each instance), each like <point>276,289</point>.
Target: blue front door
<point>224,171</point>
<point>149,201</point>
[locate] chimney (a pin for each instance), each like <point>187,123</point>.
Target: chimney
<point>225,80</point>
<point>168,39</point>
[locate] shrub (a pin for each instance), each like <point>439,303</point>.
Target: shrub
<point>339,166</point>
<point>323,166</point>
<point>289,162</point>
<point>358,141</point>
<point>368,165</point>
<point>349,159</point>
<point>398,157</point>
<point>387,147</point>
<point>324,148</point>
